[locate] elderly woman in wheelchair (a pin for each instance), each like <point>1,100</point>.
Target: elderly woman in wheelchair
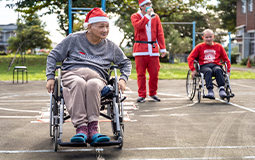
<point>86,58</point>
<point>204,63</point>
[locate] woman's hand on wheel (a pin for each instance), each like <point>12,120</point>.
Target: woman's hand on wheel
<point>50,85</point>
<point>122,85</point>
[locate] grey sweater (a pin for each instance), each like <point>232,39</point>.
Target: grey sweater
<point>75,51</point>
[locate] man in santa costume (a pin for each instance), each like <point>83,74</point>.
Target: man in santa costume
<point>148,36</point>
<point>209,55</point>
<point>86,57</point>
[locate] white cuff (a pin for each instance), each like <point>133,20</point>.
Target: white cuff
<point>163,50</point>
<point>147,16</point>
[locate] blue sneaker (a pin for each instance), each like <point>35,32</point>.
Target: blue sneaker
<point>210,94</point>
<point>222,93</point>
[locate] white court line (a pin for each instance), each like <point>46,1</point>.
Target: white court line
<point>168,94</point>
<point>236,105</point>
<point>198,158</point>
<point>126,149</point>
<point>242,85</point>
<point>22,100</point>
<point>166,109</point>
<point>18,110</point>
<point>18,117</point>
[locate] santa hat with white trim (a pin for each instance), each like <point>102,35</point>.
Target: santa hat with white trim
<point>95,15</point>
<point>142,2</point>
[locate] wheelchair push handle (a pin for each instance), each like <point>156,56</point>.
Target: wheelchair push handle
<point>112,67</point>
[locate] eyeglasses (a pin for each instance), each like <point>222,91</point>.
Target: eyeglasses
<point>147,4</point>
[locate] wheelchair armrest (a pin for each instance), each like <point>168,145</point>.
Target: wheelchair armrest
<point>112,67</point>
<point>197,66</point>
<point>226,66</point>
<point>223,63</point>
<point>58,66</point>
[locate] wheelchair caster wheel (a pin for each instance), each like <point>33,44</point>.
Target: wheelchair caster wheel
<point>55,138</point>
<point>198,96</point>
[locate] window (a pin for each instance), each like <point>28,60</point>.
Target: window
<point>250,5</point>
<point>1,37</point>
<point>240,48</point>
<point>243,6</point>
<point>252,48</point>
<point>240,31</point>
<point>251,34</point>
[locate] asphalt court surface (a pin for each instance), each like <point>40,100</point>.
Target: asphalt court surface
<point>175,128</point>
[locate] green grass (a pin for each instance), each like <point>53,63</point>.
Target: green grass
<point>36,66</point>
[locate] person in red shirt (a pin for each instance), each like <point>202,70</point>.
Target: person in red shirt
<point>148,36</point>
<point>209,54</point>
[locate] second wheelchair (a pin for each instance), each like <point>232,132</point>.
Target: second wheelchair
<point>197,83</point>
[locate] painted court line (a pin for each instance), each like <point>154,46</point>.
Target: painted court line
<point>18,117</point>
<point>13,101</point>
<point>168,94</point>
<point>242,85</point>
<point>198,158</point>
<point>18,110</point>
<point>126,149</point>
<point>171,108</point>
<point>236,105</point>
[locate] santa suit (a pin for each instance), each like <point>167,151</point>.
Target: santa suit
<point>147,29</point>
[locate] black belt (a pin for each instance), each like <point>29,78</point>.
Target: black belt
<point>151,42</point>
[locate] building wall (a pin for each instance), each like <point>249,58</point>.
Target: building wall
<point>6,32</point>
<point>245,23</point>
<point>241,17</point>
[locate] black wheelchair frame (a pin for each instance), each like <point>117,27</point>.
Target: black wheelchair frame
<point>112,101</point>
<point>197,83</point>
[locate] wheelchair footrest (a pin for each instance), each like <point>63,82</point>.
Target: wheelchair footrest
<point>204,96</point>
<point>71,144</point>
<point>110,143</point>
<point>232,95</point>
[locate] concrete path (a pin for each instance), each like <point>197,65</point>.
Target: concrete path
<point>175,128</point>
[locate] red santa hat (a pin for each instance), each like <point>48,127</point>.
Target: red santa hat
<point>95,15</point>
<point>142,2</point>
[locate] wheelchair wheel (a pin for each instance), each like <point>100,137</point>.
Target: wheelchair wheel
<point>198,96</point>
<point>51,117</point>
<point>190,85</point>
<point>54,107</point>
<point>121,134</point>
<point>117,134</point>
<point>228,93</point>
<point>55,138</point>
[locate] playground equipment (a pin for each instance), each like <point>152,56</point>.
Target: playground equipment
<point>194,34</point>
<point>72,11</point>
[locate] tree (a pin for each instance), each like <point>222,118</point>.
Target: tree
<point>123,8</point>
<point>175,44</point>
<point>30,34</point>
<point>166,9</point>
<point>226,10</point>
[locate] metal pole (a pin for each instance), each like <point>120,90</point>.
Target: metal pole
<point>103,4</point>
<point>70,15</point>
<point>229,47</point>
<point>194,34</point>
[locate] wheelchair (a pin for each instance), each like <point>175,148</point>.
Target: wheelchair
<point>112,101</point>
<point>197,83</point>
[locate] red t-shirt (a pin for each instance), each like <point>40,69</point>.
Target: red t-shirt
<point>208,54</point>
